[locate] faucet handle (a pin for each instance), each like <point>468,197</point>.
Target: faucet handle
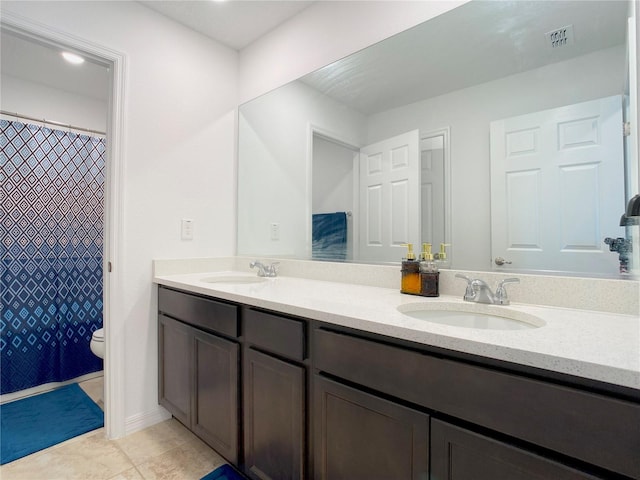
<point>262,269</point>
<point>273,269</point>
<point>501,292</point>
<point>469,292</point>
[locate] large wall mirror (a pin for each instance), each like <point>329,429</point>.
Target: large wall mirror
<point>495,128</point>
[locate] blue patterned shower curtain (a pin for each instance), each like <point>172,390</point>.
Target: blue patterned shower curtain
<point>51,224</point>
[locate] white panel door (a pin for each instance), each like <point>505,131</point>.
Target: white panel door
<point>557,187</point>
<point>389,197</point>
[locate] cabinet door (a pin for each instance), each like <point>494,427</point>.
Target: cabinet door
<point>215,397</point>
<point>174,363</point>
<point>360,436</point>
<point>459,454</point>
<point>274,417</point>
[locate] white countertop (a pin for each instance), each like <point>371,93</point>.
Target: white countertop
<point>593,345</point>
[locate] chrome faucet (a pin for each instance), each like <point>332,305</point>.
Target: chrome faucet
<point>478,291</point>
<point>265,270</point>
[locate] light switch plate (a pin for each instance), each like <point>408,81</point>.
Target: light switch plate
<point>275,231</point>
<point>187,229</point>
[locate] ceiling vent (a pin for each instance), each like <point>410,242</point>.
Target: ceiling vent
<point>560,37</point>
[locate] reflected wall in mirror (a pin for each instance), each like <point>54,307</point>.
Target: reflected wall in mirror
<point>302,147</point>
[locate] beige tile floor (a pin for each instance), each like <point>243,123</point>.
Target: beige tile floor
<point>95,389</point>
<point>166,450</point>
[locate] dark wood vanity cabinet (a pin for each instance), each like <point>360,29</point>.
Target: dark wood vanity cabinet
<point>460,454</point>
<point>215,399</point>
<point>361,436</point>
<point>332,403</point>
<point>274,417</point>
<point>274,385</point>
<point>198,370</point>
<point>175,381</point>
<point>570,425</point>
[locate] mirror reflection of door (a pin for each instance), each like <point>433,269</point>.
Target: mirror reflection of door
<point>395,204</point>
<point>557,187</point>
<point>389,207</point>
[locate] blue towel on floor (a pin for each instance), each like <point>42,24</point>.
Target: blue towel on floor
<point>329,234</point>
<point>35,423</point>
<point>224,472</point>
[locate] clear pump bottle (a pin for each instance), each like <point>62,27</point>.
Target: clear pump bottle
<point>441,257</point>
<point>429,274</point>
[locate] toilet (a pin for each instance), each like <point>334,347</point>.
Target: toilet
<point>97,343</point>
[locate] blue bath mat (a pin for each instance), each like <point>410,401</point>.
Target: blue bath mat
<point>224,472</point>
<point>38,422</point>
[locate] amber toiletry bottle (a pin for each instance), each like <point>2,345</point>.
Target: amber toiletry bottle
<point>410,273</point>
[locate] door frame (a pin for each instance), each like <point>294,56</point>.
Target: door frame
<point>632,92</point>
<point>444,132</point>
<point>346,142</point>
<point>113,257</point>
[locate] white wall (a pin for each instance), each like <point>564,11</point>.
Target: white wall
<point>323,33</point>
<point>275,172</point>
<point>36,100</point>
<point>332,188</point>
<point>180,95</point>
<point>469,111</point>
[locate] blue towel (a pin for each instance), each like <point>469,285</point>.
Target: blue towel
<point>329,235</point>
<point>224,472</point>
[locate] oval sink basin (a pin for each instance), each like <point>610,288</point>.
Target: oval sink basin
<point>483,317</point>
<point>234,279</point>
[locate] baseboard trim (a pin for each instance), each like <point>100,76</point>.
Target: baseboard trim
<point>143,420</point>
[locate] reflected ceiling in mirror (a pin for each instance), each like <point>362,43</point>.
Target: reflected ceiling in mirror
<point>472,44</point>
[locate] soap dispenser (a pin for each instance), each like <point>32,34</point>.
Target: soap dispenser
<point>441,257</point>
<point>410,282</point>
<point>429,274</point>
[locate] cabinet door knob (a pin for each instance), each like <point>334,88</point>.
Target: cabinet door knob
<point>501,261</point>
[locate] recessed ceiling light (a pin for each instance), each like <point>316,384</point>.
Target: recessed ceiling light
<point>72,58</point>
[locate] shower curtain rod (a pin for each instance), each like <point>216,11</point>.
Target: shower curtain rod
<point>50,122</point>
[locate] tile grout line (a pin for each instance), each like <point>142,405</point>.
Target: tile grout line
<point>128,458</point>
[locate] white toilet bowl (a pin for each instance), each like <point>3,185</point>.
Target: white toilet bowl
<point>97,343</point>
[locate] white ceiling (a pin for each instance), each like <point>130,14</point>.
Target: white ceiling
<point>28,60</point>
<point>233,23</point>
<point>477,42</point>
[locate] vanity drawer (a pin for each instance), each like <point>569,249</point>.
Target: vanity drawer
<point>211,315</point>
<point>276,334</point>
<point>587,426</point>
